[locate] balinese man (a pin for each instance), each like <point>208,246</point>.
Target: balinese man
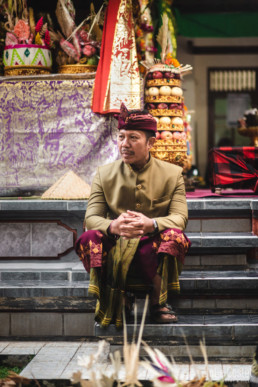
<point>135,216</point>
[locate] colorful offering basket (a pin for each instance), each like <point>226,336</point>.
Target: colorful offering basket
<point>27,59</point>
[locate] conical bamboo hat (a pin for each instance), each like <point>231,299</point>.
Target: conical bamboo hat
<point>69,187</point>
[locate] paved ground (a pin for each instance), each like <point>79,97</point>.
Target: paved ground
<point>59,360</point>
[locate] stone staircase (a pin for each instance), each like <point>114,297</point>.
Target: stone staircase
<point>219,288</point>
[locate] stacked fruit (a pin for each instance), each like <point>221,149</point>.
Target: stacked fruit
<point>164,100</point>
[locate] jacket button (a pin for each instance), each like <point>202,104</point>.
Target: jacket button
<point>139,186</point>
<point>138,205</point>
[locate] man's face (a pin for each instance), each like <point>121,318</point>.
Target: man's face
<point>134,147</point>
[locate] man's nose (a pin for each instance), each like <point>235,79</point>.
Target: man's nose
<point>125,142</point>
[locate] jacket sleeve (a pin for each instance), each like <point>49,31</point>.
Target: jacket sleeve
<point>178,212</point>
<point>97,209</point>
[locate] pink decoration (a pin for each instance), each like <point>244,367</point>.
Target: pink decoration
<point>69,49</point>
<point>22,30</point>
<point>166,379</point>
<point>30,39</point>
<point>83,36</point>
<point>47,38</point>
<point>10,39</point>
<point>39,25</point>
<point>77,46</point>
<point>89,50</point>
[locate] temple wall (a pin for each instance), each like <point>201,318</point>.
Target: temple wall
<point>196,88</point>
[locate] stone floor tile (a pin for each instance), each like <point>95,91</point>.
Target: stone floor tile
<point>50,370</point>
<point>69,371</point>
<point>74,367</point>
<point>233,372</point>
<point>3,345</point>
<point>215,372</point>
<point>142,373</point>
<point>197,370</point>
<point>62,344</point>
<point>88,346</point>
<point>181,371</point>
<point>23,348</point>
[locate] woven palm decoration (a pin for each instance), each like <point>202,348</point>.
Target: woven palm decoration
<point>68,187</point>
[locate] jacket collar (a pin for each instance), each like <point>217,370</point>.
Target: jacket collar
<point>146,166</point>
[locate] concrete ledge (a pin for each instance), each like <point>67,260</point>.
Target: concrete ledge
<point>221,328</point>
<point>30,217</point>
<point>81,205</point>
<point>49,324</point>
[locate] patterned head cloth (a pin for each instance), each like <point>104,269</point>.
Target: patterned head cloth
<point>136,120</point>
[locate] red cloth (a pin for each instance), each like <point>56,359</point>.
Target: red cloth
<point>235,167</point>
<point>93,247</point>
<point>117,78</point>
<point>103,70</point>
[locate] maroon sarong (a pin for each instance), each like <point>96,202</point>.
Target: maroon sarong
<point>93,247</point>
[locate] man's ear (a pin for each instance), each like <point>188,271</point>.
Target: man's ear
<point>151,142</point>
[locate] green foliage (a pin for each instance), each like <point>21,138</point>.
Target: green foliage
<point>5,370</point>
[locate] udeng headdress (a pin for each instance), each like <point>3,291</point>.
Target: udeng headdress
<point>136,121</point>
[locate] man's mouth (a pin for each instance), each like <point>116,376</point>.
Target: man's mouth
<point>127,153</point>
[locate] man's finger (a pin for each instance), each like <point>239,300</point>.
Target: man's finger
<point>131,233</point>
<point>137,224</point>
<point>134,213</point>
<point>132,226</point>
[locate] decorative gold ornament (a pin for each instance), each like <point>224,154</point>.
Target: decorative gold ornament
<point>77,69</point>
<point>252,132</point>
<point>164,82</point>
<point>168,98</point>
<point>172,151</point>
<point>166,112</point>
<point>26,70</point>
<point>170,127</point>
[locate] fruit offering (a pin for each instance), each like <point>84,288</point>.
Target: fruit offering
<point>164,97</point>
<point>164,100</point>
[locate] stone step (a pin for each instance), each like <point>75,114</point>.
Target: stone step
<point>226,240</point>
<point>219,224</point>
<point>216,353</point>
<point>76,272</point>
<point>83,304</point>
<point>226,329</point>
<point>224,261</point>
<point>25,284</point>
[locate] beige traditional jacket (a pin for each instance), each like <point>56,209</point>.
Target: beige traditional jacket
<point>157,191</point>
